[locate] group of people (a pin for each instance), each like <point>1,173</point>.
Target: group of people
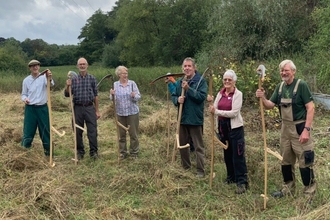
<point>292,96</point>
<point>86,108</point>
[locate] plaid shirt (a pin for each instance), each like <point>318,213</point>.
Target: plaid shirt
<point>125,104</point>
<point>84,89</point>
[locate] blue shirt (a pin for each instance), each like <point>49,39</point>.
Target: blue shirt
<point>35,89</point>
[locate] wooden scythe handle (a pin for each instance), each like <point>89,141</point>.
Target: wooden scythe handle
<point>265,144</point>
<point>224,146</point>
<point>57,132</point>
<point>74,127</point>
<point>177,145</point>
<point>274,153</point>
<point>117,127</point>
<point>118,124</point>
<point>168,123</point>
<point>212,133</point>
<point>50,123</point>
<point>123,127</point>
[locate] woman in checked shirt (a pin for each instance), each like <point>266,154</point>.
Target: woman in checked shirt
<point>126,95</point>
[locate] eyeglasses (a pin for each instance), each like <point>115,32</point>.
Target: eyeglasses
<point>34,65</point>
<point>229,80</point>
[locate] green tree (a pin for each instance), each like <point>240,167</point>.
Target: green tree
<point>67,55</point>
<point>317,49</point>
<point>182,29</point>
<point>257,29</point>
<point>161,32</point>
<point>110,57</point>
<point>12,57</point>
<point>38,49</point>
<point>95,35</point>
<point>137,30</point>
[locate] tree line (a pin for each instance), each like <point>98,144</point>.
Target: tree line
<point>163,32</point>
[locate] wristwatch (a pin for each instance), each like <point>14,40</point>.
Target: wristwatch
<point>308,128</point>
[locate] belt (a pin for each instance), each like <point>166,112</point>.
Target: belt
<point>84,104</point>
<point>38,105</point>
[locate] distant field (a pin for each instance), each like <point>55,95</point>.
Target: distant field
<point>142,76</point>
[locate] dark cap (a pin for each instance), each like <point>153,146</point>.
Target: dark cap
<point>33,62</point>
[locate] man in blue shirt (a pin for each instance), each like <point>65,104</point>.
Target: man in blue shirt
<point>34,95</point>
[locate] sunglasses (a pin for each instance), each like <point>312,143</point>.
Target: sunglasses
<point>229,80</point>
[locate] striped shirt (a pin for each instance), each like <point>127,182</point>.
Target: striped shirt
<point>125,104</point>
<point>84,89</point>
<point>35,89</point>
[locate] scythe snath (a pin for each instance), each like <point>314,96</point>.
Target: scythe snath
<point>51,128</point>
<point>72,75</point>
<point>212,174</point>
<point>175,75</point>
<point>261,73</point>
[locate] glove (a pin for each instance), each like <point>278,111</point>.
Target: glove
<point>171,79</point>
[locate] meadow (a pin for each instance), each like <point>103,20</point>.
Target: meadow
<point>151,187</point>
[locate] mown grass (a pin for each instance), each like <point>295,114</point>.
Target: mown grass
<point>150,187</point>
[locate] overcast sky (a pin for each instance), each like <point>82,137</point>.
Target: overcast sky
<point>54,21</point>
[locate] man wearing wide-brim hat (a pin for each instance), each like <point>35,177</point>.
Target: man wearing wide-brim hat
<point>34,96</point>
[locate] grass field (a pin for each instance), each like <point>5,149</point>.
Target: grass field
<point>151,187</point>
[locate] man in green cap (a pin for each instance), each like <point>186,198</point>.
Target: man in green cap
<point>34,96</point>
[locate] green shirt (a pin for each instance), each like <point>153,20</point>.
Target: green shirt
<point>303,97</point>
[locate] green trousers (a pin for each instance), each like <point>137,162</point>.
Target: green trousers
<point>36,116</point>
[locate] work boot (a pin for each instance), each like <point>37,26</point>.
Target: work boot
<point>287,190</point>
<point>95,156</point>
<point>229,181</point>
<point>200,175</point>
<point>241,189</point>
<point>134,156</point>
<point>122,156</point>
<point>80,156</point>
<point>309,192</point>
<point>277,194</point>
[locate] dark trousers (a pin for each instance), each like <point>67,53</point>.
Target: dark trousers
<point>36,117</point>
<point>86,114</point>
<point>234,156</point>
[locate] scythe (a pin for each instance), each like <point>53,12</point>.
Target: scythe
<point>51,128</point>
<point>74,75</point>
<point>261,72</point>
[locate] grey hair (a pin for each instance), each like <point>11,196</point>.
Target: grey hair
<point>120,69</point>
<point>231,74</point>
<point>190,59</point>
<point>82,58</point>
<point>284,62</point>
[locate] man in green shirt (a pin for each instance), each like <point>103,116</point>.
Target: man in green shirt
<point>295,102</point>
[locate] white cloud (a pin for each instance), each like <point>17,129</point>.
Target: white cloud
<point>54,21</point>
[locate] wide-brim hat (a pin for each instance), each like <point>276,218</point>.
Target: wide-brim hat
<point>33,62</point>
